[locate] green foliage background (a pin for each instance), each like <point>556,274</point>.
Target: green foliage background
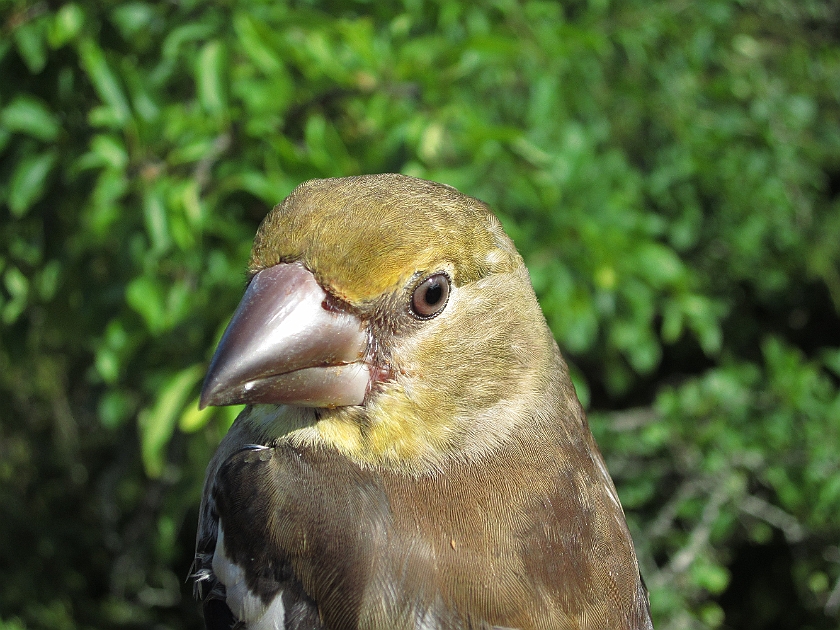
<point>670,171</point>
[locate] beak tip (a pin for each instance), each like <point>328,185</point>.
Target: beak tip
<point>218,392</point>
<point>207,396</point>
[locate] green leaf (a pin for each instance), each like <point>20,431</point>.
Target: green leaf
<point>105,207</point>
<point>194,418</point>
<point>66,25</point>
<point>658,264</point>
<point>831,358</point>
<point>48,279</point>
<point>156,424</point>
<point>131,17</point>
<point>107,364</point>
<point>210,78</point>
<point>30,116</point>
<point>157,221</point>
<point>17,285</point>
<point>254,46</point>
<point>672,322</point>
<point>146,296</point>
<point>230,413</point>
<point>12,623</point>
<point>114,409</point>
<point>709,575</point>
<point>703,315</point>
<point>191,31</point>
<point>28,181</point>
<point>31,41</point>
<point>104,80</point>
<point>712,614</point>
<point>259,185</point>
<point>110,151</point>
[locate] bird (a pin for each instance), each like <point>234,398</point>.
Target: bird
<point>412,454</point>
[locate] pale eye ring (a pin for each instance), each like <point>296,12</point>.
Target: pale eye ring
<point>430,296</point>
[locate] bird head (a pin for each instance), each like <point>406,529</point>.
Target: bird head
<point>392,319</point>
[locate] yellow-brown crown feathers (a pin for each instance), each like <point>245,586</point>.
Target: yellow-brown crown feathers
<point>362,236</point>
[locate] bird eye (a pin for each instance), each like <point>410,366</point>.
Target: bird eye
<point>430,296</point>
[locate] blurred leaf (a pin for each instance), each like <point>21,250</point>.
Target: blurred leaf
<point>132,17</point>
<point>210,78</point>
<point>157,221</point>
<point>104,80</point>
<point>263,56</point>
<point>12,624</point>
<point>157,422</point>
<point>669,175</point>
<point>107,364</point>
<point>194,418</point>
<point>66,25</point>
<point>17,285</point>
<point>48,280</point>
<point>659,264</point>
<point>29,116</point>
<point>30,38</point>
<point>109,151</point>
<point>709,576</point>
<point>146,296</point>
<point>114,409</point>
<point>229,414</point>
<point>29,180</point>
<point>832,360</point>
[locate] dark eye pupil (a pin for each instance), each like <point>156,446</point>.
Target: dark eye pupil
<point>433,294</point>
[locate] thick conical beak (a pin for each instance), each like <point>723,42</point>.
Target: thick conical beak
<point>284,345</point>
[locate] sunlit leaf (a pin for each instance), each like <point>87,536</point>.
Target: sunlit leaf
<point>66,25</point>
<point>263,56</point>
<point>17,285</point>
<point>104,80</point>
<point>29,181</point>
<point>157,422</point>
<point>146,296</point>
<point>157,220</point>
<point>194,418</point>
<point>210,78</point>
<point>30,116</point>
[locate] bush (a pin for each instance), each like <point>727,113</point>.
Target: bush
<point>670,172</point>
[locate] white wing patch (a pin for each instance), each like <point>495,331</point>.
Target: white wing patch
<point>245,605</point>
